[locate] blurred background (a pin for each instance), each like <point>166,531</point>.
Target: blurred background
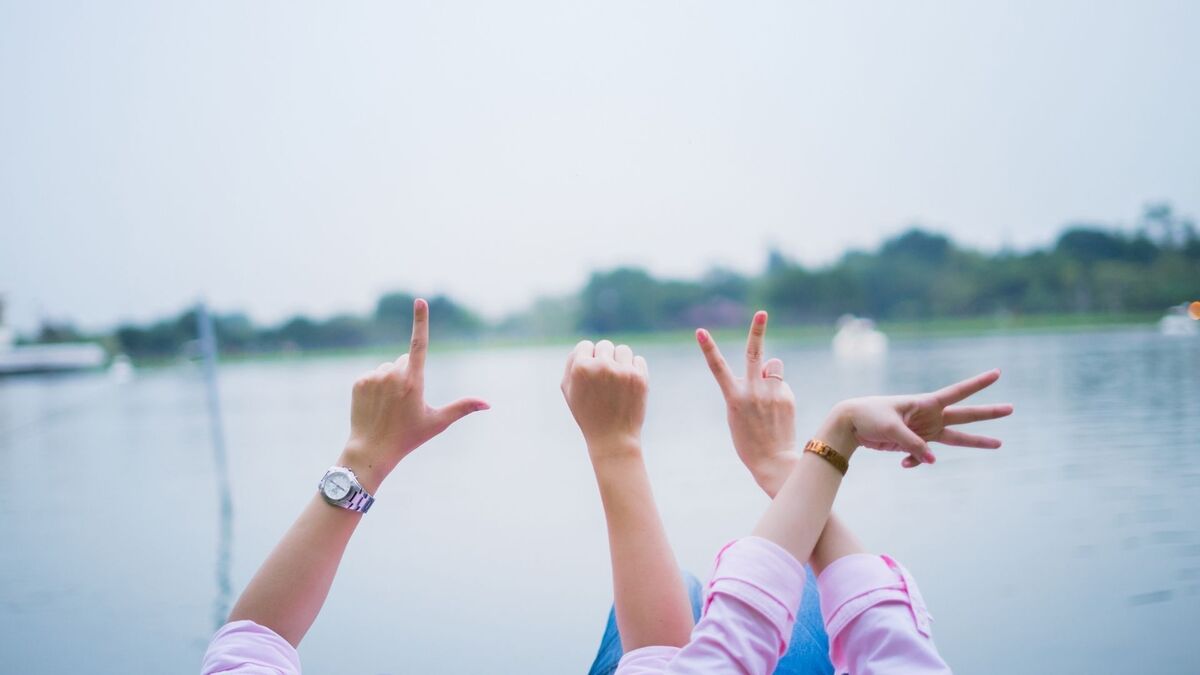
<point>215,216</point>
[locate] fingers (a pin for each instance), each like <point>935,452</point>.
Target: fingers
<point>960,390</point>
<point>965,414</point>
<point>623,354</point>
<point>401,363</point>
<point>754,345</point>
<point>912,444</point>
<point>420,337</point>
<point>909,463</point>
<point>585,349</point>
<point>773,370</point>
<point>453,412</point>
<point>604,349</point>
<point>716,362</point>
<point>640,363</point>
<point>582,350</point>
<point>965,440</point>
<point>385,366</point>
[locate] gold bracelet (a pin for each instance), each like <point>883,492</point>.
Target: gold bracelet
<point>826,452</point>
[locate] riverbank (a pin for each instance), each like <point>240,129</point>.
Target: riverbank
<point>796,334</point>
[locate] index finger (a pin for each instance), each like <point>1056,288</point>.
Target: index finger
<point>420,338</point>
<point>583,349</point>
<point>716,362</point>
<point>754,346</point>
<point>960,390</point>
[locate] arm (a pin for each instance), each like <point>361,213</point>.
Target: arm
<point>761,416</point>
<point>876,618</point>
<point>874,614</point>
<point>389,419</point>
<point>758,580</point>
<point>761,409</point>
<point>756,584</point>
<point>605,388</point>
<point>836,540</point>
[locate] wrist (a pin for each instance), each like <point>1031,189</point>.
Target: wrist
<point>770,473</point>
<point>600,449</point>
<point>838,429</point>
<point>364,462</point>
<point>615,455</point>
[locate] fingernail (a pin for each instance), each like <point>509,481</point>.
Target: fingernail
<point>701,337</point>
<point>482,405</point>
<point>930,458</point>
<point>419,303</point>
<point>760,318</point>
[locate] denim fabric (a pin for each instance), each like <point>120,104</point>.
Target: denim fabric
<point>808,652</point>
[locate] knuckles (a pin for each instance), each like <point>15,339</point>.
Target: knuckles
<point>394,378</point>
<point>604,372</point>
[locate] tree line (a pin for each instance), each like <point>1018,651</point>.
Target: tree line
<point>914,276</point>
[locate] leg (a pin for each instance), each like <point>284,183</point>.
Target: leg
<point>808,652</point>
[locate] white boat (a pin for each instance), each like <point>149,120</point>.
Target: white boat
<point>1178,322</point>
<point>49,358</point>
<point>57,358</point>
<point>858,339</point>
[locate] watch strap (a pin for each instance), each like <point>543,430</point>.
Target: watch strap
<point>358,500</point>
<point>825,451</point>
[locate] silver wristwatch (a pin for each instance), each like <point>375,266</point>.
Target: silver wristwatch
<point>340,487</point>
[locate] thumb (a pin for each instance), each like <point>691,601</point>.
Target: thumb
<point>453,412</point>
<point>913,444</point>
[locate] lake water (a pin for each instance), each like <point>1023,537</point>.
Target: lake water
<point>1075,548</point>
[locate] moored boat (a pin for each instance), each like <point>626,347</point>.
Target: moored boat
<point>857,338</point>
<point>1180,321</point>
<point>46,358</point>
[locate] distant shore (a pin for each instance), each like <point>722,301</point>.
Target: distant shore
<point>802,334</point>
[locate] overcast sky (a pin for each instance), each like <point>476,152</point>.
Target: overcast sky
<point>281,157</point>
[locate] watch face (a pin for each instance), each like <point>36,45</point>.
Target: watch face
<point>336,486</point>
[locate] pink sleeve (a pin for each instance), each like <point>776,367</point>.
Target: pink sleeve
<point>876,619</point>
<point>748,616</point>
<point>247,648</point>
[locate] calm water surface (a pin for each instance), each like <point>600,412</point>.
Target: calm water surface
<point>1075,548</point>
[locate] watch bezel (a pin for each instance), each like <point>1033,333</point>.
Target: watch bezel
<point>340,470</point>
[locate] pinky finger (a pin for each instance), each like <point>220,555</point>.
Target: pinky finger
<point>965,440</point>
<point>639,362</point>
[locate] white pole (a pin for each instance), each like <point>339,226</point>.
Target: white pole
<point>208,364</point>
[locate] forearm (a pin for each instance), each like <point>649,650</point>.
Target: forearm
<point>289,589</point>
<point>836,539</point>
<point>287,592</point>
<point>801,506</point>
<point>651,603</point>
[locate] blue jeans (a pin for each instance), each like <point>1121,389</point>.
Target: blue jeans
<point>807,654</point>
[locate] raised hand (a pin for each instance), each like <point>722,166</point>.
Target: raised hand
<point>605,387</point>
<point>389,417</point>
<point>908,423</point>
<point>760,407</point>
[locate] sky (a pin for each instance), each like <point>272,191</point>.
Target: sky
<point>281,157</point>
